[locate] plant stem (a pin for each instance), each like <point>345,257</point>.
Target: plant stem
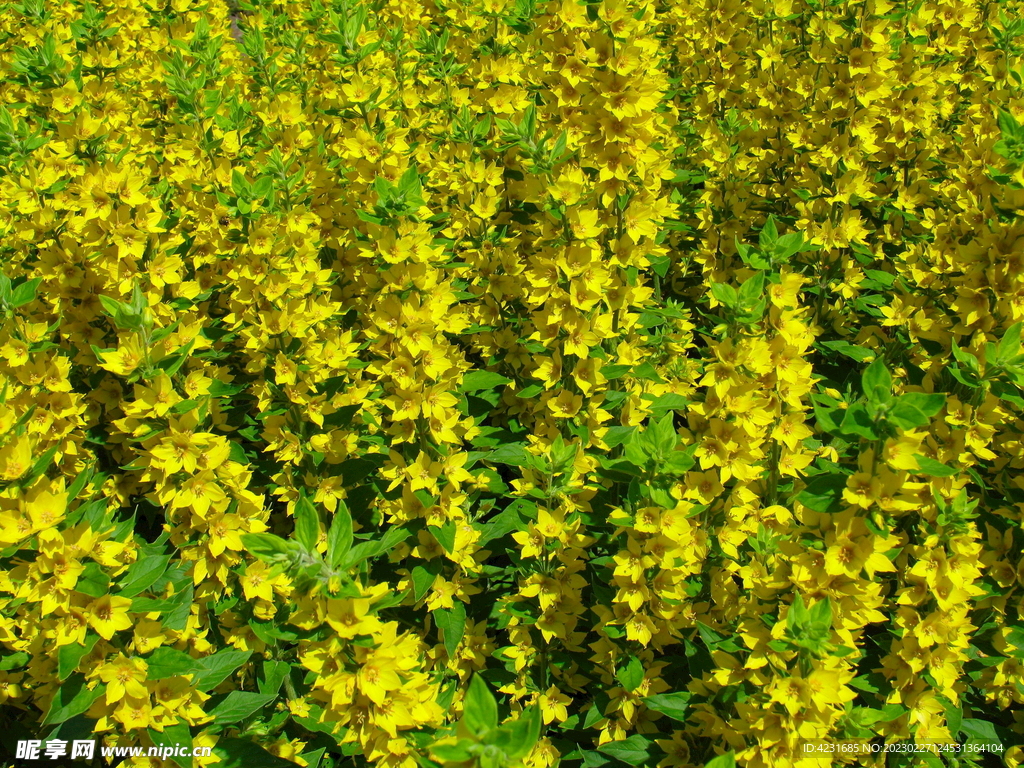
<point>773,480</point>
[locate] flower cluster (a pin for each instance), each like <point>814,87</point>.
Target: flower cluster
<point>512,383</point>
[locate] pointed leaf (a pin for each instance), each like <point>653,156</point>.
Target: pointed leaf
<point>339,538</point>
<point>480,708</point>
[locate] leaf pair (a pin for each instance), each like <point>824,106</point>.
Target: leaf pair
<point>482,738</point>
<point>14,296</point>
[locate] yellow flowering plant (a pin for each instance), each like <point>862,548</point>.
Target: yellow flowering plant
<point>486,383</point>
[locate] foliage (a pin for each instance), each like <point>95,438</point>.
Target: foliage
<point>512,384</point>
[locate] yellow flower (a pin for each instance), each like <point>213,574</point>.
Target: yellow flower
<point>134,713</point>
<point>125,359</point>
<point>124,677</point>
<point>66,98</point>
<point>423,473</point>
<point>553,705</point>
<point>256,583</point>
<point>564,405</point>
<point>350,617</point>
<point>108,614</point>
<point>378,676</point>
<point>225,533</point>
<point>15,458</point>
<point>157,398</point>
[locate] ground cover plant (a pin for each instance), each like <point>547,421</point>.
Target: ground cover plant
<point>426,383</point>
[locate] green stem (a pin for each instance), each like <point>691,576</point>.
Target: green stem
<point>289,687</point>
<point>773,481</point>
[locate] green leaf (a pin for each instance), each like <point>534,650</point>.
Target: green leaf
<point>452,621</point>
<point>474,381</point>
<point>368,549</point>
<point>967,378</point>
<point>672,704</point>
<point>262,188</point>
<point>273,676</point>
<point>597,710</point>
<point>93,581</point>
<point>612,372</point>
<point>480,708</point>
<point>243,753</point>
<point>513,454</point>
<point>1009,345</point>
<point>445,535</point>
<point>368,217</point>
<point>239,185</point>
<point>787,246</point>
<point>633,751</point>
<point>725,294</point>
<point>966,358</point>
<point>172,364</point>
<point>121,314</point>
<point>876,382</point>
<point>589,757</point>
<point>618,435</point>
<point>829,413</point>
<point>631,674</point>
<point>505,522</point>
<point>678,462</point>
<point>180,608</point>
<point>167,662</point>
<point>214,670</point>
<point>307,523</point>
<point>860,354</point>
<point>269,632</point>
<point>664,432</point>
<point>1008,125</point>
<point>21,658</point>
<point>886,279</point>
<point>980,732</point>
<point>752,289</point>
<point>69,656</point>
<point>79,483</point>
<point>769,234</point>
<point>659,493</point>
<point>906,416</point>
<point>39,467</point>
<point>267,546</point>
<point>954,716</point>
<point>72,698</point>
<point>409,181</point>
<point>339,538</point>
<point>661,404</point>
<point>929,404</point>
<point>522,733</point>
<point>824,492</point>
<point>858,421</point>
<point>174,736</point>
<point>638,448</point>
<point>710,637</point>
<point>423,577</point>
<point>647,372</point>
<point>728,760</point>
<point>820,615</point>
<point>932,467</point>
<point>238,705</point>
<point>25,293</point>
<point>1015,637</point>
<point>453,753</point>
<point>143,574</point>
